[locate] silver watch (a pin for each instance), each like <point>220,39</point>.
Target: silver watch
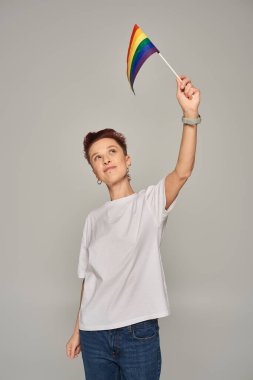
<point>188,121</point>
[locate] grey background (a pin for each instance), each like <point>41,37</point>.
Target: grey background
<point>63,74</point>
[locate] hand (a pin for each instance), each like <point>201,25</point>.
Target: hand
<point>73,347</point>
<point>188,97</point>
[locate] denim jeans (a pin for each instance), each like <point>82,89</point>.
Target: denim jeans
<point>126,353</point>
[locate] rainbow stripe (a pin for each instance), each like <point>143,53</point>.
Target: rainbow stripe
<point>140,48</point>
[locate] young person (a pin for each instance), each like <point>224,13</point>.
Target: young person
<point>125,293</point>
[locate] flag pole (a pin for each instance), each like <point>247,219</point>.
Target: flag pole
<point>170,67</point>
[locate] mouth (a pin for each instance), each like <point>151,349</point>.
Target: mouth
<point>111,167</point>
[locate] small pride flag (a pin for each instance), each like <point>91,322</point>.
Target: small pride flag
<point>140,48</point>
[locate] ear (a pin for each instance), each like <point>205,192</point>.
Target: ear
<point>128,160</point>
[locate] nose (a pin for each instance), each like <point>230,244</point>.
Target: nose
<point>107,160</point>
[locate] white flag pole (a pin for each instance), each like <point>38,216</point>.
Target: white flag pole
<point>170,67</point>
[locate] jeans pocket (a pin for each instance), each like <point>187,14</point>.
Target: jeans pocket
<point>145,330</point>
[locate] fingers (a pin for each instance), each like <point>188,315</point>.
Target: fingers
<point>186,86</point>
<point>68,350</point>
<point>76,352</point>
<point>73,352</point>
<point>184,82</point>
<point>191,92</point>
<point>73,355</point>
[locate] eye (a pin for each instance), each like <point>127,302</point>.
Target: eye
<point>111,150</point>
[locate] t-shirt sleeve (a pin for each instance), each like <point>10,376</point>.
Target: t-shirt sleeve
<point>84,251</point>
<point>156,199</point>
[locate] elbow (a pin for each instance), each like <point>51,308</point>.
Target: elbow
<point>183,174</point>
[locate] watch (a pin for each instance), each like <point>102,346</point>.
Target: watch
<point>188,121</point>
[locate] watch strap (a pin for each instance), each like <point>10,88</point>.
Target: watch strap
<point>189,121</point>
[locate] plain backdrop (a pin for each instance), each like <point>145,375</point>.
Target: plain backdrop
<point>63,74</point>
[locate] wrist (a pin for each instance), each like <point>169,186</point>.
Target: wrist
<point>190,114</point>
<point>190,120</point>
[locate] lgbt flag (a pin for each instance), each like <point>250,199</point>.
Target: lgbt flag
<point>140,48</point>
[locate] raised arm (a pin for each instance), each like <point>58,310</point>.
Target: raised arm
<point>189,99</point>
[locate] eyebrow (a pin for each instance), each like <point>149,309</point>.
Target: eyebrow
<point>109,146</point>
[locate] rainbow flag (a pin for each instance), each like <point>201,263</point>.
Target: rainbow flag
<point>140,48</point>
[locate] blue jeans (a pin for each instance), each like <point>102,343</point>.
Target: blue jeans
<point>126,353</point>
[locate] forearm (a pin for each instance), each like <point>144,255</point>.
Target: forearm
<point>187,151</point>
<point>76,330</point>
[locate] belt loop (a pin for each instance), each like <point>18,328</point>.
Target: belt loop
<point>130,328</point>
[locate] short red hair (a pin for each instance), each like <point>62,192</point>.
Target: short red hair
<point>91,137</point>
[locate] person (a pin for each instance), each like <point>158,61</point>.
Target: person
<point>117,329</point>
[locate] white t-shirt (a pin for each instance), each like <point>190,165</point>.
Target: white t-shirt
<point>121,262</point>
